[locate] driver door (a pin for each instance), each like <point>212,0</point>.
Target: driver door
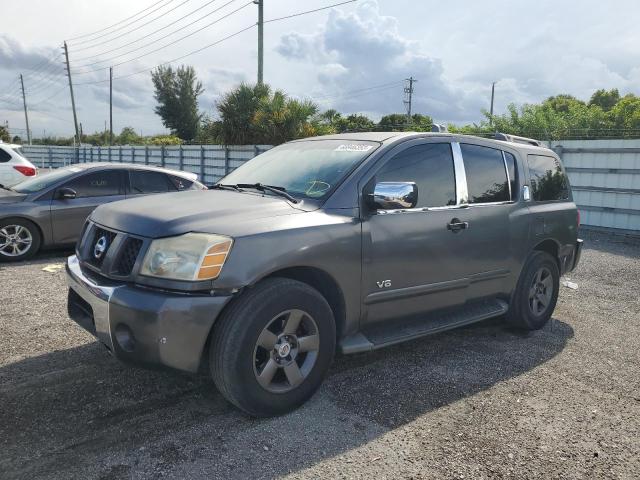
<point>92,189</point>
<point>412,260</point>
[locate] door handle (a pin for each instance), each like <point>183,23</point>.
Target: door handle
<point>456,225</point>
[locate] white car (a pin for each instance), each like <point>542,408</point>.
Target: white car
<point>14,167</point>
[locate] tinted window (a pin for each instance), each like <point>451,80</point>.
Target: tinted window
<point>430,166</point>
<point>149,182</point>
<point>513,176</point>
<point>548,182</point>
<point>486,175</point>
<point>4,156</point>
<point>180,183</point>
<point>96,184</point>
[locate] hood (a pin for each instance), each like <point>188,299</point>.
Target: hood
<point>210,211</point>
<point>7,196</point>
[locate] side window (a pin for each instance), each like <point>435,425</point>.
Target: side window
<point>548,182</point>
<point>430,166</point>
<point>486,175</point>
<point>513,174</point>
<point>97,184</point>
<point>4,156</point>
<point>150,182</point>
<point>180,183</point>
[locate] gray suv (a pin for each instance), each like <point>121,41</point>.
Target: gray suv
<point>346,242</point>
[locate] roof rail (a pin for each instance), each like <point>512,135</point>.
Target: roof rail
<point>516,139</point>
<point>438,128</point>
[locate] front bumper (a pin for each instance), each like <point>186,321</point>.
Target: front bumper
<point>143,326</point>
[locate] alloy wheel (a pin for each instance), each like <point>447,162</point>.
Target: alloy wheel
<point>286,351</point>
<point>541,291</point>
<point>15,240</point>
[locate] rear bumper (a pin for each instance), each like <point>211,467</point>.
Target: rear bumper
<point>577,252</point>
<point>143,326</point>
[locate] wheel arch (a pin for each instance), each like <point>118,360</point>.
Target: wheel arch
<point>551,247</point>
<point>325,284</point>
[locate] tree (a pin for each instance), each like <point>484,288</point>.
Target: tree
<point>253,114</point>
<point>128,136</point>
<point>605,99</point>
<point>398,122</point>
<point>354,122</point>
<point>4,134</point>
<point>177,92</point>
<point>237,110</point>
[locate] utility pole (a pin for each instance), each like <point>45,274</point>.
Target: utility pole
<point>493,93</point>
<point>73,101</point>
<point>408,96</point>
<point>260,4</point>
<point>110,105</point>
<point>26,115</point>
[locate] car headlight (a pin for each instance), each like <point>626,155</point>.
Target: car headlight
<point>191,257</point>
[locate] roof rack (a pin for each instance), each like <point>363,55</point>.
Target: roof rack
<point>438,128</point>
<point>516,139</point>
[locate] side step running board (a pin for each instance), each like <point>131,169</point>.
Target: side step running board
<point>396,331</point>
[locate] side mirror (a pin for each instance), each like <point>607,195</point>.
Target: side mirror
<point>393,195</point>
<point>65,193</point>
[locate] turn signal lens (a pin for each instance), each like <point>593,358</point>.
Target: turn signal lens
<point>214,260</point>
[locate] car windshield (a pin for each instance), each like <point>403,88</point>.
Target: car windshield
<point>309,169</point>
<point>44,180</point>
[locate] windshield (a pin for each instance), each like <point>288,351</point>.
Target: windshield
<point>308,169</point>
<point>42,181</point>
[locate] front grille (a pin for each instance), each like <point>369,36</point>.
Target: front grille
<point>98,234</point>
<point>128,255</point>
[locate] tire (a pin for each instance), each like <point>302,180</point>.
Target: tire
<point>248,356</point>
<point>14,235</point>
<point>536,293</point>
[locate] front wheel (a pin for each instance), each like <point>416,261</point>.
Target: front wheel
<point>536,294</point>
<point>19,239</point>
<point>272,348</point>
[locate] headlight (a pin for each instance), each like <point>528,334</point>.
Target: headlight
<point>192,257</point>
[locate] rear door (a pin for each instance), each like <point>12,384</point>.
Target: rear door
<point>491,198</point>
<point>92,189</point>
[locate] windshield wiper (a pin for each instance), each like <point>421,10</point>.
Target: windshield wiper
<point>281,191</point>
<point>222,186</point>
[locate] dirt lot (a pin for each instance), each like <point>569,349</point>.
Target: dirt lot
<point>481,402</point>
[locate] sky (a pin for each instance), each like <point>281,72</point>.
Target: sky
<point>353,57</point>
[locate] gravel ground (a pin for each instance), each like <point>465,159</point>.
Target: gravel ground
<point>480,402</point>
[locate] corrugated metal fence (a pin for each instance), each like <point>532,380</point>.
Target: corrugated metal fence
<point>210,162</point>
<point>605,180</point>
<point>604,174</point>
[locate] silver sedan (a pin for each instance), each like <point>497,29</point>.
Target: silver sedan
<point>50,210</point>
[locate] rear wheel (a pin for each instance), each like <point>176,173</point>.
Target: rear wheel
<point>536,294</point>
<point>272,348</point>
<point>19,239</point>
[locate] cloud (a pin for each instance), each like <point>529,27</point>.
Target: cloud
<point>364,49</point>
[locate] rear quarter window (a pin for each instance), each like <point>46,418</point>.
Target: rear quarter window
<point>4,156</point>
<point>548,181</point>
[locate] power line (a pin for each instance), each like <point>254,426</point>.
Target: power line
<point>170,43</point>
<point>174,59</point>
<point>309,11</point>
<point>355,92</point>
<point>161,38</point>
<point>117,23</point>
<point>87,47</point>
<point>147,35</point>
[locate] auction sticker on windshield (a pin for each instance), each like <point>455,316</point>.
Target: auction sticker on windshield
<point>353,148</point>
